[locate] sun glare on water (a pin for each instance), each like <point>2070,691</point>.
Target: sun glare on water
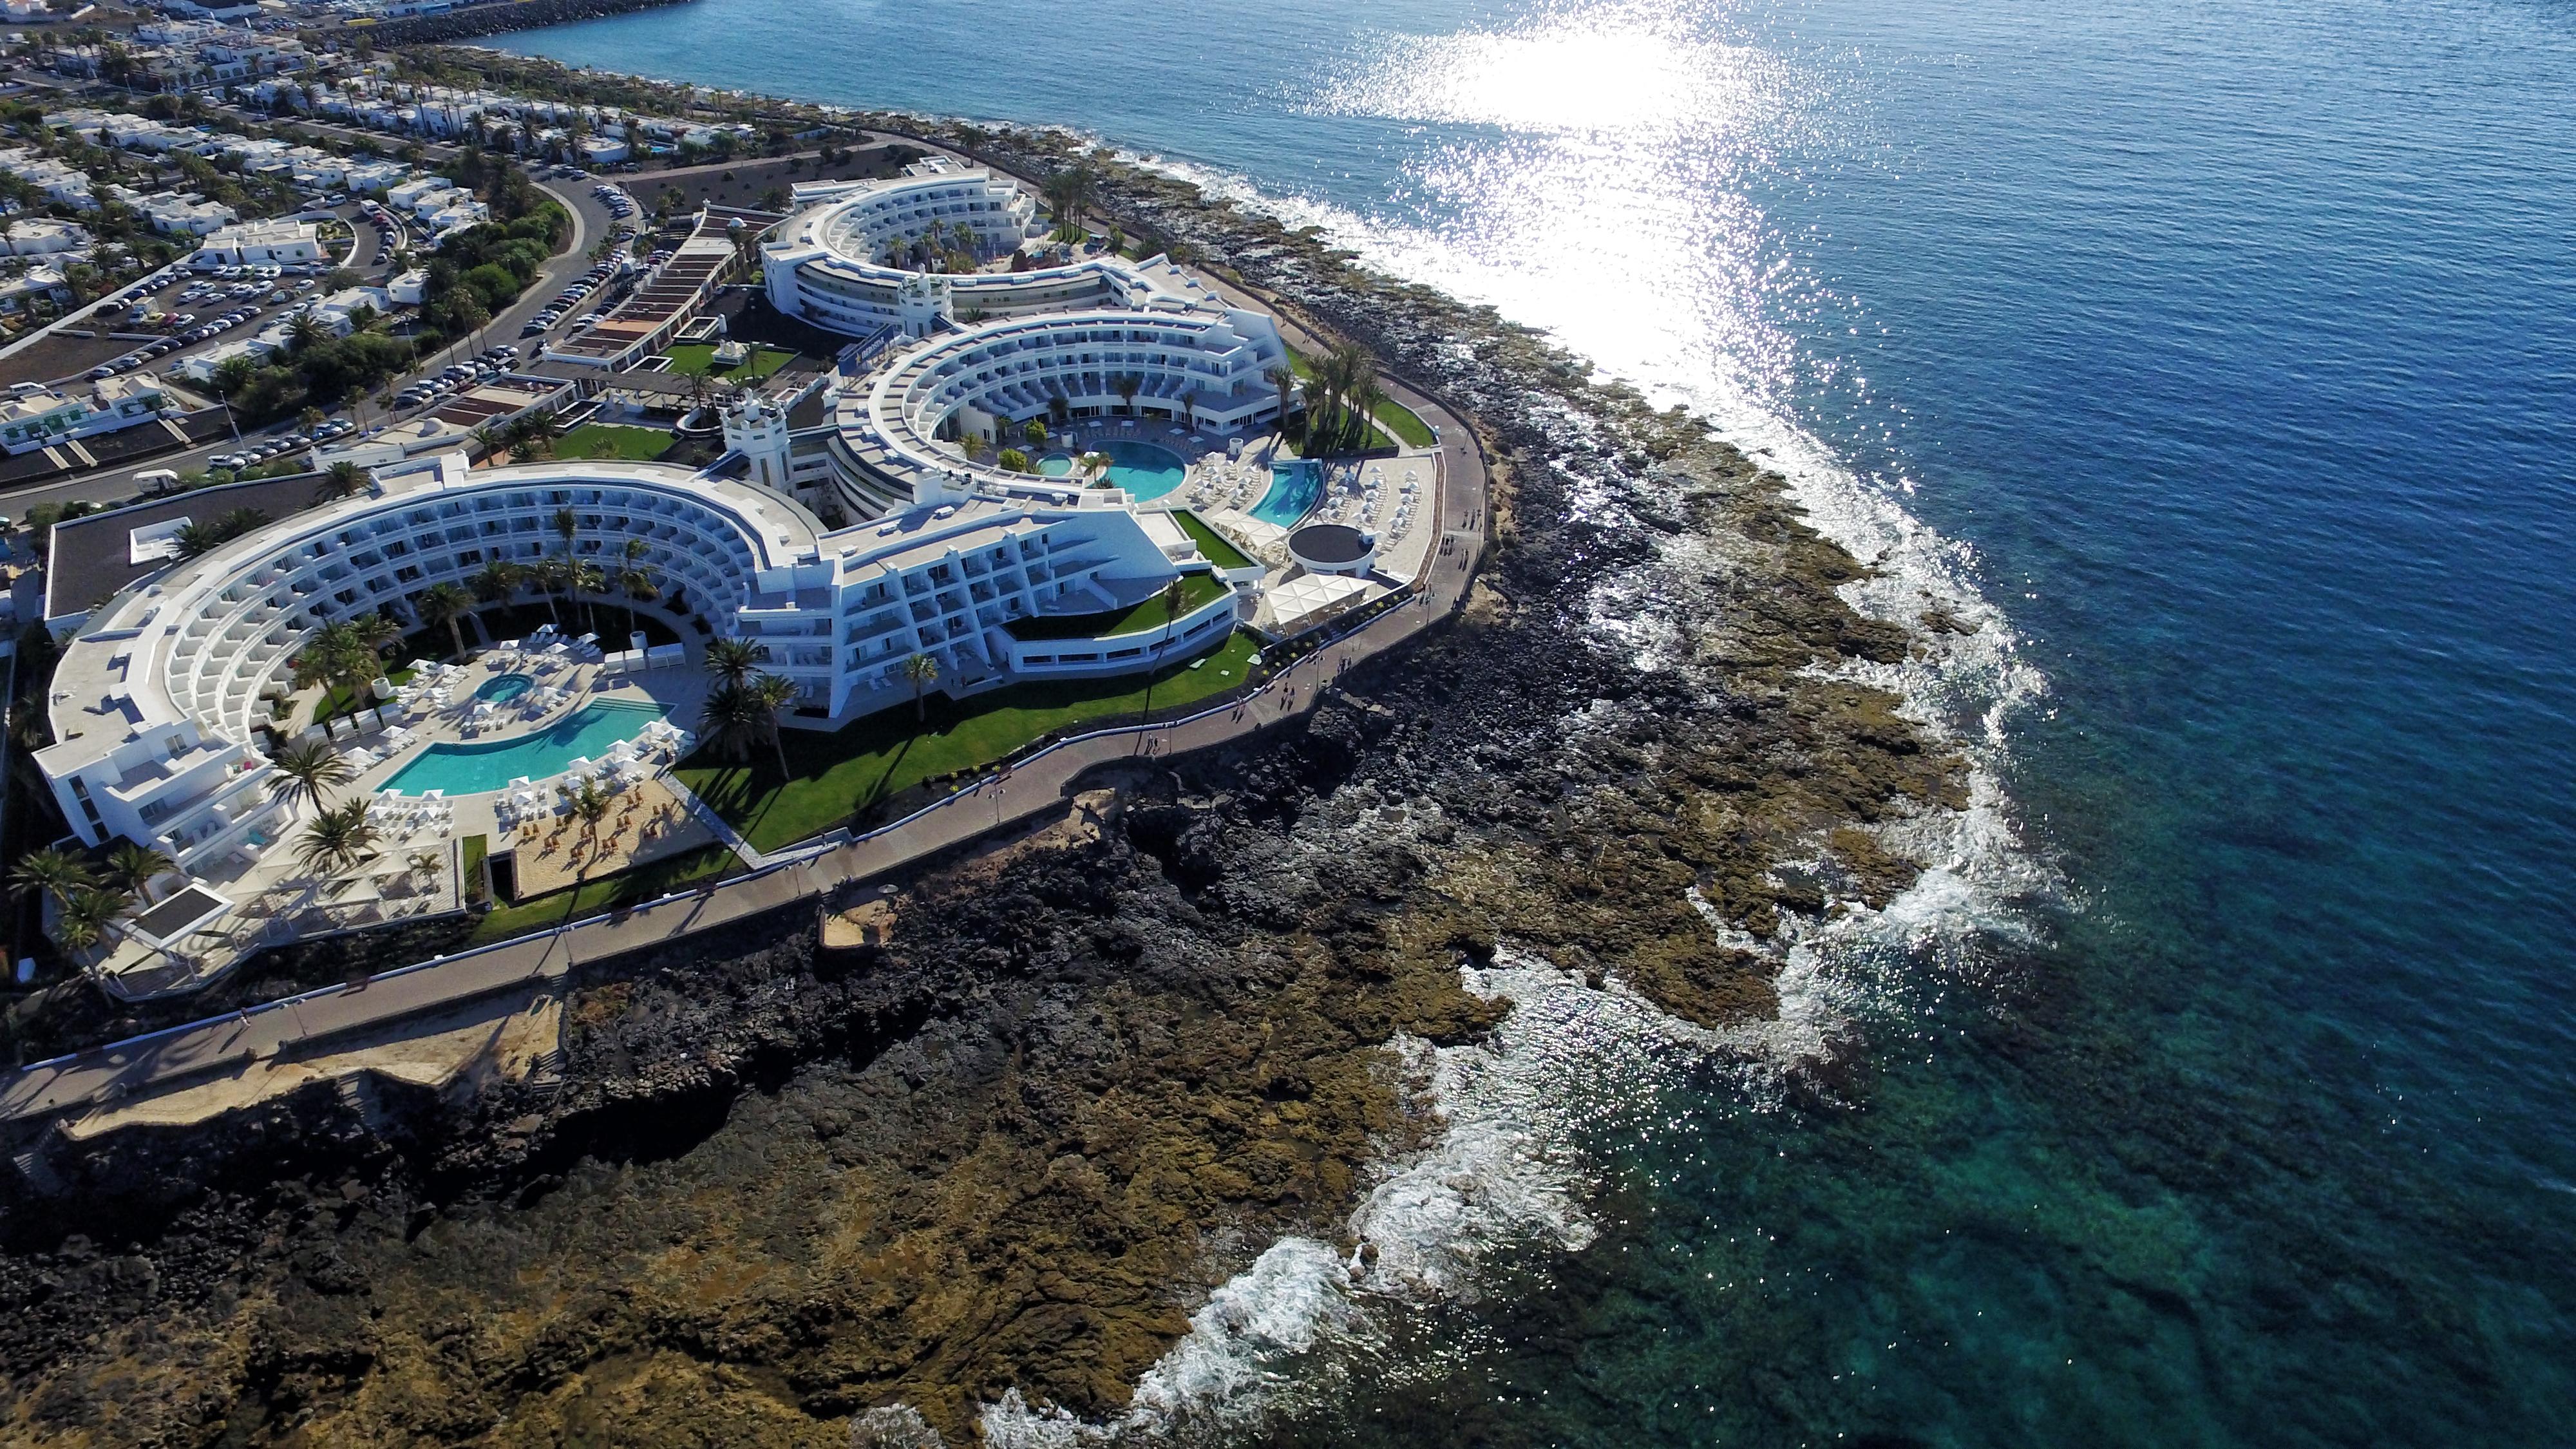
<point>1592,180</point>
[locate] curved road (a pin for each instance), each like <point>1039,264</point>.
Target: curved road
<point>590,221</point>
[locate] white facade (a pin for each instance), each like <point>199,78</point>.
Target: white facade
<point>156,695</point>
<point>42,419</point>
<point>63,184</point>
<point>36,236</point>
<point>273,242</point>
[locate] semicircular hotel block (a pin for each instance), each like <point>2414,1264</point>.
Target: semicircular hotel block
<point>983,353</point>
<point>994,576</point>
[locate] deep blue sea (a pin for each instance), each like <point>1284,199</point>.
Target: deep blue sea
<point>2228,350</point>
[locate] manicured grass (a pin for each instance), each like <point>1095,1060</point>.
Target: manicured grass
<point>1211,543</point>
<point>476,848</point>
<point>1406,424</point>
<point>607,893</point>
<point>832,776</point>
<point>1197,591</point>
<point>340,699</point>
<point>607,440</point>
<point>1394,420</point>
<point>698,359</point>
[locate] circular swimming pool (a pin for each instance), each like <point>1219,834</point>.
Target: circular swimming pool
<point>1145,470</point>
<point>504,688</point>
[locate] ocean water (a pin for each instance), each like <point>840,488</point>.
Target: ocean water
<point>2219,354</point>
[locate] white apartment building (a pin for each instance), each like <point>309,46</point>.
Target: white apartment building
<point>179,214</point>
<point>260,242</point>
<point>63,184</point>
<point>157,695</point>
<point>29,421</point>
<point>36,236</point>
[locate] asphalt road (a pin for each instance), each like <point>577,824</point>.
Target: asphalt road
<point>301,1025</point>
<point>591,221</point>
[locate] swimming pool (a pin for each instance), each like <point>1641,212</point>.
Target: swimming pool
<point>1145,470</point>
<point>1294,487</point>
<point>505,688</point>
<point>462,769</point>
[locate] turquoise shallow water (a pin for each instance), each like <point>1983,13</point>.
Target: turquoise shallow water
<point>1294,487</point>
<point>1146,470</point>
<point>466,769</point>
<point>2224,348</point>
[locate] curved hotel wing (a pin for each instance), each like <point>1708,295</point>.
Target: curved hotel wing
<point>997,576</point>
<point>155,698</point>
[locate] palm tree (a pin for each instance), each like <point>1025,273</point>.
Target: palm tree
<point>772,693</point>
<point>635,582</point>
<point>1127,385</point>
<point>343,479</point>
<point>48,871</point>
<point>304,331</point>
<point>329,659</point>
<point>921,669</point>
<point>590,803</point>
<point>1093,465</point>
<point>86,917</point>
<point>732,661</point>
<point>1174,595</point>
<point>469,314</point>
<point>974,445</point>
<point>497,580</point>
<point>305,770</point>
<point>1283,378</point>
<point>1190,408</point>
<point>134,867</point>
<point>552,573</point>
<point>1059,409</point>
<point>446,603</point>
<point>586,580</point>
<point>732,721</point>
<point>337,841</point>
<point>1065,192</point>
<point>1317,395</point>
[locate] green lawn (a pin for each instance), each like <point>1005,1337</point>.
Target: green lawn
<point>1394,420</point>
<point>1197,592</point>
<point>698,359</point>
<point>476,848</point>
<point>607,893</point>
<point>833,775</point>
<point>607,440</point>
<point>338,701</point>
<point>1406,424</point>
<point>1211,543</point>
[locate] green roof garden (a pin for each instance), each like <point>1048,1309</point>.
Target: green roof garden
<point>1212,544</point>
<point>1197,592</point>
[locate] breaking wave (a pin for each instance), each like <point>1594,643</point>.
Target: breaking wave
<point>1509,1174</point>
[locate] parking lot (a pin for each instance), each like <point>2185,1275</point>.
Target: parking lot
<point>434,381</point>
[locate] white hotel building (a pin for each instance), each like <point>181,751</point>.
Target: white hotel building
<point>981,353</point>
<point>161,694</point>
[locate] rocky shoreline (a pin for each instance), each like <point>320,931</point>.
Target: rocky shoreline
<point>1082,1081</point>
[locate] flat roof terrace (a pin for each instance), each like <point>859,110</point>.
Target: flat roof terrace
<point>92,557</point>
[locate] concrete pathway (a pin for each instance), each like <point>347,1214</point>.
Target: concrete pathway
<point>306,1024</point>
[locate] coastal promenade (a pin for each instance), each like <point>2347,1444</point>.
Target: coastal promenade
<point>320,1022</point>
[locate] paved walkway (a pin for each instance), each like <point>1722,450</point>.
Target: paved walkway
<point>308,1024</point>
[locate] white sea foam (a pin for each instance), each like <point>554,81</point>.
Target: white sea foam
<point>1569,237</point>
<point>1506,1174</point>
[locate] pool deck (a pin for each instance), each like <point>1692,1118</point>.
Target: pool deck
<point>276,901</point>
<point>229,1046</point>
